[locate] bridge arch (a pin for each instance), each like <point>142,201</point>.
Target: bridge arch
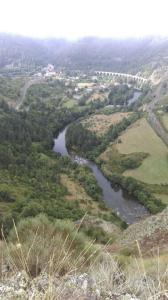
<point>124,75</point>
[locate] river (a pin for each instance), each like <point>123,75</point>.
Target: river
<point>135,97</point>
<point>126,207</point>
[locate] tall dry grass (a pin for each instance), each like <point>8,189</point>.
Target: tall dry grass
<point>59,250</point>
<point>37,244</point>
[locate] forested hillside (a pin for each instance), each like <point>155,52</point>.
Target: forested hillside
<point>17,50</point>
<point>131,55</point>
<point>83,169</point>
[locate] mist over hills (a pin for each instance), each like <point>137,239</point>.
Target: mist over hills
<point>127,55</point>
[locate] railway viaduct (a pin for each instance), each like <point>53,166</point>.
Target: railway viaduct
<point>122,75</point>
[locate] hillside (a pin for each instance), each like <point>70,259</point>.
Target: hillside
<point>21,51</point>
<point>129,56</point>
<point>83,169</point>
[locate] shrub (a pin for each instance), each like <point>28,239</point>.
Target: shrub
<point>6,197</point>
<point>98,234</point>
<point>56,247</point>
<point>139,191</point>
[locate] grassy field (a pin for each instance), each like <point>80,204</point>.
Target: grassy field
<point>70,103</point>
<point>82,85</point>
<point>163,197</point>
<point>115,162</point>
<point>164,100</point>
<point>77,192</point>
<point>97,96</point>
<point>100,123</point>
<point>141,138</point>
<point>165,120</point>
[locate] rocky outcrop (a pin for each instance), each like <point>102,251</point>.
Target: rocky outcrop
<point>71,287</point>
<point>145,229</point>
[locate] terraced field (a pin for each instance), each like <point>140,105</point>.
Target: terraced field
<point>140,137</point>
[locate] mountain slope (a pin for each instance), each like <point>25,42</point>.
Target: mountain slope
<point>131,55</point>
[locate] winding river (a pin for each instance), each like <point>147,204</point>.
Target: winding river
<point>128,209</point>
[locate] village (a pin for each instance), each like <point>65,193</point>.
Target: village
<point>84,88</point>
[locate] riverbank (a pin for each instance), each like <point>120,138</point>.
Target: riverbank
<point>127,208</point>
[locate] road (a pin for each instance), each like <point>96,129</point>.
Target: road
<point>152,118</point>
<point>24,89</point>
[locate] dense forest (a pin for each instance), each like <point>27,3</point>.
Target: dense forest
<point>30,172</point>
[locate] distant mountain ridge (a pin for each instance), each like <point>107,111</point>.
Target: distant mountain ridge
<point>131,55</point>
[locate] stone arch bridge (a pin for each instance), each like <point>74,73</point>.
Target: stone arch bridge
<point>122,75</point>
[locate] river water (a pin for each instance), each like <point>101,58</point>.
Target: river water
<point>134,98</point>
<point>128,209</point>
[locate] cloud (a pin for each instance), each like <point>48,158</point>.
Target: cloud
<point>77,18</point>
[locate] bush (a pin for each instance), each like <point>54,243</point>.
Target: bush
<point>57,247</point>
<point>98,234</point>
<point>6,197</point>
<point>139,191</point>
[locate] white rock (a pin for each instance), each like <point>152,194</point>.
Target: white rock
<point>129,297</point>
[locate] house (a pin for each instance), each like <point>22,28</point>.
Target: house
<point>50,74</point>
<point>50,68</point>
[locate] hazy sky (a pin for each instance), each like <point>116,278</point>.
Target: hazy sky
<point>77,18</point>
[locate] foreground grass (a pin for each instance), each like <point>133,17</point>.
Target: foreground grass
<point>60,251</point>
<point>141,138</point>
<point>37,241</point>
